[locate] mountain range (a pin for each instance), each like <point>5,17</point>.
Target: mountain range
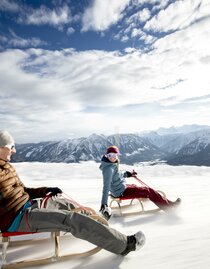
<point>185,145</point>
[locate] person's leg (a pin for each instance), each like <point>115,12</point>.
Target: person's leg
<point>79,225</point>
<point>56,203</point>
<point>133,191</point>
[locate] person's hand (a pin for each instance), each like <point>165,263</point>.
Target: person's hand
<point>127,174</point>
<point>106,211</point>
<point>54,191</point>
<point>130,174</point>
<point>134,173</point>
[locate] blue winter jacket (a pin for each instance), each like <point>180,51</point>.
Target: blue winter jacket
<point>113,180</point>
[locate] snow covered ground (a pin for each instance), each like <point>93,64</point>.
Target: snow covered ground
<point>177,241</point>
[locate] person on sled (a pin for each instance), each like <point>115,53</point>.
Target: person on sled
<point>114,182</point>
<point>20,210</point>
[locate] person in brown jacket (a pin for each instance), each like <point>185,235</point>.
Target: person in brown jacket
<point>20,210</point>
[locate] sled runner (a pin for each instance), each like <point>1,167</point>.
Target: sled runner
<point>122,206</point>
<point>6,241</point>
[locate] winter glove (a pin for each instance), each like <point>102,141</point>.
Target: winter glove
<point>54,191</point>
<point>130,174</point>
<point>106,211</point>
<point>127,174</point>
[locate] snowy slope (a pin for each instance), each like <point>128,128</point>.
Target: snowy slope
<point>177,241</point>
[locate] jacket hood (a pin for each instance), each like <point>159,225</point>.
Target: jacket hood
<point>105,162</point>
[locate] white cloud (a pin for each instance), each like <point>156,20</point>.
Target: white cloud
<point>136,32</point>
<point>13,40</point>
<point>44,15</point>
<point>134,27</point>
<point>148,39</point>
<point>144,14</point>
<point>130,50</point>
<point>70,31</point>
<point>11,6</point>
<point>141,2</point>
<point>124,38</point>
<point>178,15</point>
<point>161,4</point>
<point>102,14</point>
<point>3,39</point>
<point>64,91</point>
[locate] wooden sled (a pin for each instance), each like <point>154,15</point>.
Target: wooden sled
<point>121,208</point>
<point>55,237</point>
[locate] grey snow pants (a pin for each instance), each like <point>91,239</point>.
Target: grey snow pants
<point>58,216</point>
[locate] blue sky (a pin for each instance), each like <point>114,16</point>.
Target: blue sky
<point>72,68</point>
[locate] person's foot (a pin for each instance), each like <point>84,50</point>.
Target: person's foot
<point>177,202</point>
<point>134,242</point>
<point>140,240</point>
<point>174,205</point>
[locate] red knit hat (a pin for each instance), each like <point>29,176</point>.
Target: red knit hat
<point>112,149</point>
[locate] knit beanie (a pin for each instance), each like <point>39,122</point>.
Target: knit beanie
<point>6,139</point>
<point>112,149</point>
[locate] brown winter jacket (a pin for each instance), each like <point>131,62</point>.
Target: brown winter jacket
<point>13,194</point>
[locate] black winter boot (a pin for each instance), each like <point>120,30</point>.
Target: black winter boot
<point>134,242</point>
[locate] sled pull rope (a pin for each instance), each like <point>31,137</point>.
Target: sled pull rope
<point>68,198</point>
<point>144,184</point>
<point>139,180</point>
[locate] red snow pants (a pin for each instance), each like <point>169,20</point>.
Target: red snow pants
<point>134,191</point>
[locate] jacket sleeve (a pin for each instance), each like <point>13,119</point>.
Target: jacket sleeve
<point>107,179</point>
<point>36,192</point>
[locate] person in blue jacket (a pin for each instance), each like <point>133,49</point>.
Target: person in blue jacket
<point>114,182</point>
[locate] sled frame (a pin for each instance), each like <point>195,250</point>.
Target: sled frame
<point>55,257</point>
<point>119,200</point>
